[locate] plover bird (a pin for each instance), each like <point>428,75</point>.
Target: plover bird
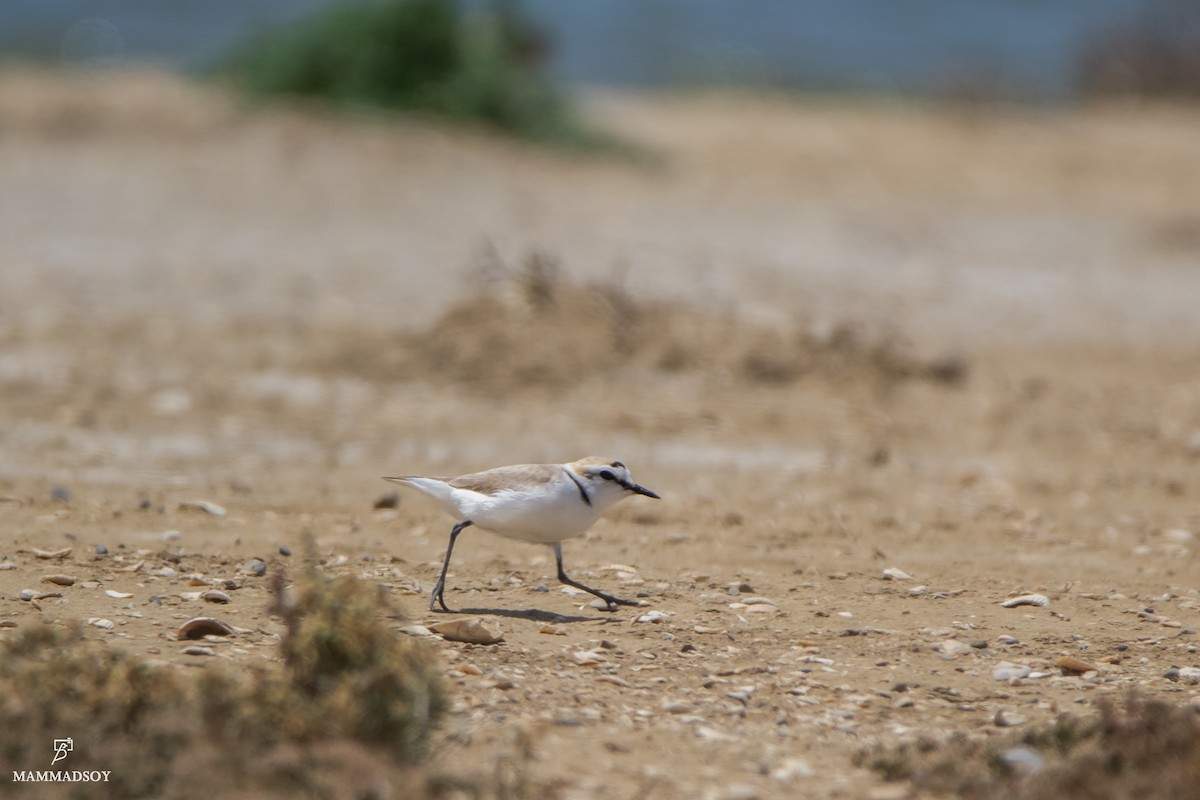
<point>543,503</point>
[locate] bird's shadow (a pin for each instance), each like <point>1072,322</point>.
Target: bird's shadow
<point>532,614</point>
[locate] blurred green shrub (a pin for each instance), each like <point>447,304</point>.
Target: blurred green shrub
<point>483,66</point>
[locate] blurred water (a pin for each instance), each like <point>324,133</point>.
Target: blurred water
<point>1029,47</point>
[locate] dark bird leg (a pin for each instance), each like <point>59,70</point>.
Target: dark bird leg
<point>564,578</point>
<point>439,591</point>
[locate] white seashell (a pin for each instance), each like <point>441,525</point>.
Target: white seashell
<point>653,616</point>
<point>588,658</point>
<point>205,506</point>
<point>200,627</point>
<point>894,574</point>
<point>66,551</point>
<point>118,595</point>
<point>1027,600</point>
<point>213,596</point>
<point>106,624</point>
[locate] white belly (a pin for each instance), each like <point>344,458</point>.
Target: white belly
<point>547,517</point>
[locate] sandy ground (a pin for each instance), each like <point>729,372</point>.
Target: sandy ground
<point>202,301</point>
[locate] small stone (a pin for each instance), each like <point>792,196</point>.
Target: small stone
<point>284,550</point>
<point>1171,673</point>
<point>101,550</point>
<point>1189,675</point>
<point>551,629</point>
<point>473,630</point>
<point>953,647</point>
<point>60,580</point>
<point>213,596</point>
<point>1024,759</point>
<point>105,624</point>
<point>257,567</point>
<point>1039,600</point>
<point>203,505</point>
<point>1004,719</point>
<point>1008,671</point>
<point>60,494</point>
<point>917,590</point>
<point>200,627</point>
<point>1073,666</point>
<point>792,768</point>
<point>199,650</point>
<point>389,500</point>
<point>8,623</point>
<point>416,630</point>
<point>6,565</point>
<point>653,616</point>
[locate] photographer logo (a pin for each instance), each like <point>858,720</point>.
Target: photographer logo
<point>61,748</point>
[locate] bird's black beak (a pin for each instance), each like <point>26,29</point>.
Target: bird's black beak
<point>639,489</point>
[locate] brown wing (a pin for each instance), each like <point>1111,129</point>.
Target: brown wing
<point>518,476</point>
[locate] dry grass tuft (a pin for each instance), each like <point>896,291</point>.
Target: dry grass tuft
<point>1148,749</point>
<point>348,714</point>
<point>528,327</point>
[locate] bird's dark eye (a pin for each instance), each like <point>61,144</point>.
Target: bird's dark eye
<point>607,474</point>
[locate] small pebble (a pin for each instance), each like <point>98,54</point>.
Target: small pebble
<point>1008,671</point>
<point>101,550</point>
<point>1024,759</point>
<point>106,624</point>
<point>214,596</point>
<point>199,650</point>
<point>284,550</point>
<point>257,567</point>
<point>416,630</point>
<point>1073,666</point>
<point>389,500</point>
<point>60,494</point>
<point>60,580</point>
<point>469,631</point>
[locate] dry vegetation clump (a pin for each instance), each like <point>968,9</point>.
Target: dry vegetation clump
<point>530,328</point>
<point>1148,749</point>
<point>347,714</point>
<point>1153,55</point>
